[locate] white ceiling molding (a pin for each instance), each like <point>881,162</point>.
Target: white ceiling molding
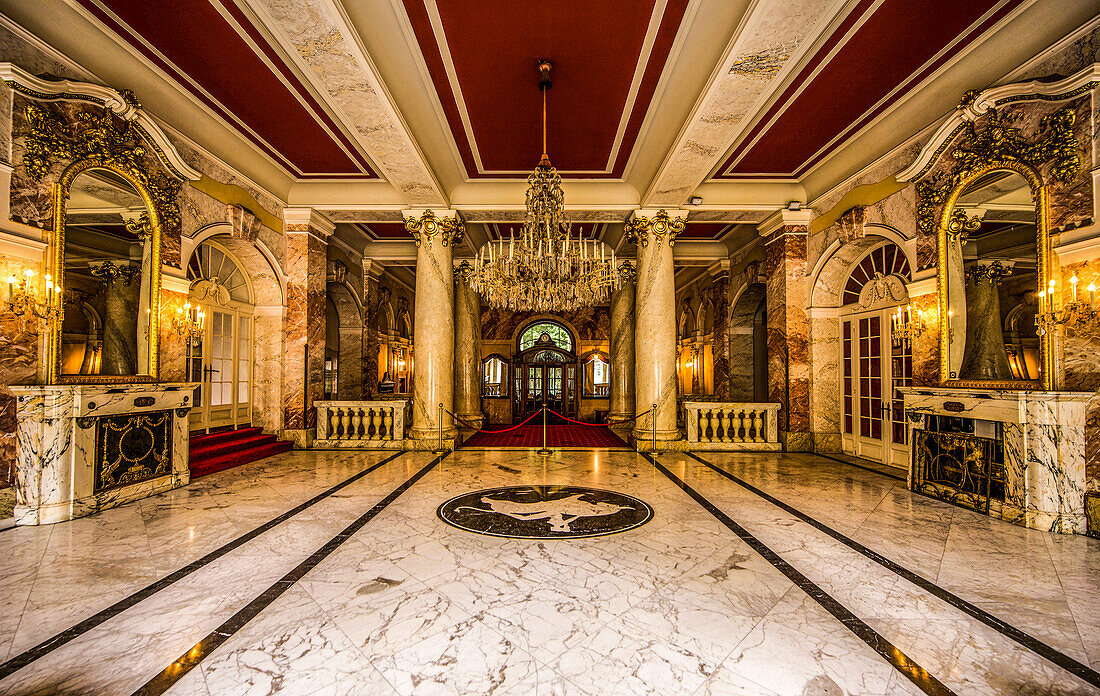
<point>110,98</point>
<point>1084,81</point>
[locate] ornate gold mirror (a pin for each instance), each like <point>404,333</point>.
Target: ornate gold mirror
<point>105,255</point>
<point>993,262</point>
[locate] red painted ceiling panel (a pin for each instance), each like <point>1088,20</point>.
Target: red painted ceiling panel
<point>703,230</point>
<point>594,46</point>
<point>201,43</point>
<point>885,52</point>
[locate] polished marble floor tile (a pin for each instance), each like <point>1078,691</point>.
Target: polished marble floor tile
<point>408,604</point>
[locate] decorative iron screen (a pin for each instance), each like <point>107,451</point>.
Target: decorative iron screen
<point>132,447</point>
<point>960,468</point>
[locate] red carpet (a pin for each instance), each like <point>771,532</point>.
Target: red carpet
<point>530,435</point>
<point>230,448</point>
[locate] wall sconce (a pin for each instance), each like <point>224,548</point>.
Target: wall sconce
<point>189,321</point>
<point>1077,316</point>
<point>23,297</point>
<point>904,326</point>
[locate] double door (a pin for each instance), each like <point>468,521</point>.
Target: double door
<point>220,361</point>
<point>552,385</point>
<point>874,367</point>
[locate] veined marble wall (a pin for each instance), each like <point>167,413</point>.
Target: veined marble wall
<point>304,357</point>
<point>788,334</point>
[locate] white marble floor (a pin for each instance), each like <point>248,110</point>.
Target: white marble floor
<point>407,604</point>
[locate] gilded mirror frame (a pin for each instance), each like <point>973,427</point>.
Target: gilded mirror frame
<point>1039,197</point>
<point>55,264</point>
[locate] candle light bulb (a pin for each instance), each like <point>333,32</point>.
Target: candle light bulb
<point>29,272</point>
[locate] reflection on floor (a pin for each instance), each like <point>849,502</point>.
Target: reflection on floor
<point>557,435</point>
<point>364,590</point>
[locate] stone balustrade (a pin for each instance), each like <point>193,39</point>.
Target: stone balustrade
<point>360,424</point>
<point>732,426</point>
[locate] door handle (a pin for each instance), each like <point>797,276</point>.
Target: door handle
<point>208,370</point>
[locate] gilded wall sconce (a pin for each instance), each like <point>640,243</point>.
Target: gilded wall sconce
<point>23,296</point>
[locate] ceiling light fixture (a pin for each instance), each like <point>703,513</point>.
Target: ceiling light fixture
<point>544,269</point>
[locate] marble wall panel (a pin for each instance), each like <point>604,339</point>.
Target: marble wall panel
<point>825,382</point>
<point>370,337</point>
<point>18,365</point>
<point>589,323</point>
<point>304,330</point>
<point>172,347</point>
<point>267,376</point>
<point>719,297</point>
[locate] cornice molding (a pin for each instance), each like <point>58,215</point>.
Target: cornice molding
<point>308,220</point>
<point>786,218</point>
<point>123,104</point>
<point>974,106</point>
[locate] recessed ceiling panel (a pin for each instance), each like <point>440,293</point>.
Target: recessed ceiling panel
<point>608,56</point>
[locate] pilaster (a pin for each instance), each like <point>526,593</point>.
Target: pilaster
<point>784,236</point>
<point>307,234</point>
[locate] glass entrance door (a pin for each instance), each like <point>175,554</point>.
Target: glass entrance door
<point>220,361</point>
<point>873,369</point>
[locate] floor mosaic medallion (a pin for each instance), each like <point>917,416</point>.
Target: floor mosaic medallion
<point>545,512</point>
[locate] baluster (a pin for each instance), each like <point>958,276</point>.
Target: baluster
<point>375,424</point>
<point>387,423</point>
<point>742,431</point>
<point>353,426</point>
<point>712,425</point>
<point>726,425</point>
<point>345,419</point>
<point>756,423</point>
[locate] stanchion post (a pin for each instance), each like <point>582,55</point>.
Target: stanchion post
<point>545,451</point>
<point>653,421</point>
<point>440,450</point>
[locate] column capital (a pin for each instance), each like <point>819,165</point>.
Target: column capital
<point>425,223</point>
<point>720,270</point>
<point>628,272</point>
<point>658,223</point>
<point>785,222</point>
<point>372,270</point>
<point>463,271</point>
<point>308,220</point>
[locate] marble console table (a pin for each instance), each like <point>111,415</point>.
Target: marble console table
<point>85,448</point>
<point>1044,448</point>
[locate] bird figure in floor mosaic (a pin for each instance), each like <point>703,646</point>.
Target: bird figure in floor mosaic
<point>559,514</point>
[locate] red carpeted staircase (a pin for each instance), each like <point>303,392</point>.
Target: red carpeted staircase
<point>229,448</point>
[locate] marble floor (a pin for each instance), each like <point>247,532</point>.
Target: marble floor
<point>330,573</point>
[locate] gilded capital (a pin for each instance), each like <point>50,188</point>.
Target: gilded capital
<point>661,226</point>
<point>463,272</point>
<point>628,272</point>
<point>425,227</point>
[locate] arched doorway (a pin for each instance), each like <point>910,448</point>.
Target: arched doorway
<point>874,366</point>
<point>748,345</point>
<point>545,370</point>
<point>220,358</point>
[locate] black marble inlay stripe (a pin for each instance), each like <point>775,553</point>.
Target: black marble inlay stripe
<point>50,644</point>
<point>1004,628</point>
<point>860,466</point>
<point>191,659</point>
<point>902,663</point>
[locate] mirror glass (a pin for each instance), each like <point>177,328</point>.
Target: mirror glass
<point>993,282</point>
<point>106,279</point>
<point>494,377</point>
<point>597,376</point>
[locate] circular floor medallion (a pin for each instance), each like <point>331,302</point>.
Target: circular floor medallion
<point>545,512</point>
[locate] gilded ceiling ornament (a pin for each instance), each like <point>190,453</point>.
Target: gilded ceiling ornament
<point>1001,144</point>
<point>463,272</point>
<point>140,226</point>
<point>100,140</point>
<point>628,272</point>
<point>425,227</point>
<point>107,272</point>
<point>962,226</point>
<point>991,272</point>
<point>660,226</point>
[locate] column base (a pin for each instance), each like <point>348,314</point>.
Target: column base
<point>430,445</point>
<point>474,419</point>
<point>644,436</point>
<point>796,442</point>
<point>302,438</point>
<point>431,434</point>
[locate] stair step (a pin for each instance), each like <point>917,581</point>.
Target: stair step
<point>237,457</point>
<point>222,435</point>
<point>205,449</point>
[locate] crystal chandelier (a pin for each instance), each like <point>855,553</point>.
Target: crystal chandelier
<point>544,269</point>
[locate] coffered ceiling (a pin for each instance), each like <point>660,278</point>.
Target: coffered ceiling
<point>366,108</point>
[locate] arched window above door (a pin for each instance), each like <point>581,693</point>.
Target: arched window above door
<point>555,332</point>
<point>876,270</point>
<point>216,277</point>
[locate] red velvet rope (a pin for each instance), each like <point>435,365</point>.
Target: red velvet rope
<point>492,432</point>
<point>597,425</point>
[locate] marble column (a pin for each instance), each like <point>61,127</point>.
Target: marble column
<point>433,324</point>
<point>719,297</point>
<point>984,355</point>
<point>621,402</point>
<point>788,328</point>
<point>371,346</point>
<point>307,233</point>
<point>467,379</point>
<point>655,324</point>
<point>120,321</point>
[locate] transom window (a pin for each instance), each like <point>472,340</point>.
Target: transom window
<point>557,333</point>
<point>886,260</point>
